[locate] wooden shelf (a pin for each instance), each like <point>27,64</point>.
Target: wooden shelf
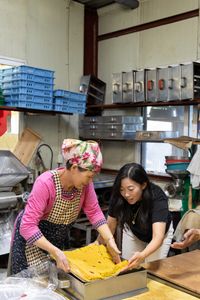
<point>144,104</point>
<point>28,110</point>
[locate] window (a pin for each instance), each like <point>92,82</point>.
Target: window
<point>179,120</point>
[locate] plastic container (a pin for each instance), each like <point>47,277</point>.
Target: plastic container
<point>28,91</point>
<point>30,70</point>
<point>69,109</point>
<point>71,103</point>
<point>177,158</point>
<point>73,96</point>
<point>28,84</point>
<point>177,166</point>
<point>27,76</point>
<point>61,93</point>
<point>30,105</point>
<point>28,98</point>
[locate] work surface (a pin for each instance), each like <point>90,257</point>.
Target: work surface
<point>160,291</point>
<point>182,270</point>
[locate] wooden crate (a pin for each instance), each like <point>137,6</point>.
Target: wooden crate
<point>27,145</point>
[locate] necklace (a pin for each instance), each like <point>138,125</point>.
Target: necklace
<point>135,215</point>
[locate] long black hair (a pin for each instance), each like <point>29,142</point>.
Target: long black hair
<point>123,210</point>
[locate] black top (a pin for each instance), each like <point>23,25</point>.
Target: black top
<point>159,213</point>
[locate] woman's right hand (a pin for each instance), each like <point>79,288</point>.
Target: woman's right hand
<point>61,260</point>
<point>113,250</point>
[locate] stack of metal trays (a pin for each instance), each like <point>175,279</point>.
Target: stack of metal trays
<point>110,127</point>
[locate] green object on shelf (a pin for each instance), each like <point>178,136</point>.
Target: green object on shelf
<point>2,100</point>
<point>185,196</point>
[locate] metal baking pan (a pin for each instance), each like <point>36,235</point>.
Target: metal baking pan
<point>114,288</point>
<point>155,135</point>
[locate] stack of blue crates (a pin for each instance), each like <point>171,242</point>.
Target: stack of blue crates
<point>69,102</point>
<point>28,87</point>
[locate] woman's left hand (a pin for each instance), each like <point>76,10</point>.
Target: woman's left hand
<point>135,260</point>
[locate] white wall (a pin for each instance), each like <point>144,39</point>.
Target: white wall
<point>169,44</point>
<point>46,34</point>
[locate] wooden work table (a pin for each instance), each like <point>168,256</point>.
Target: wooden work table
<point>161,291</point>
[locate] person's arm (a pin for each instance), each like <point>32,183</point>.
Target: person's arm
<point>107,236</point>
<point>54,252</point>
<point>155,243</point>
<point>191,236</point>
<point>38,204</point>
<point>112,224</point>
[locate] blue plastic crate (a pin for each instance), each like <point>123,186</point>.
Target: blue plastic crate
<point>61,93</point>
<point>28,91</point>
<point>68,109</point>
<point>76,110</point>
<point>30,105</point>
<point>28,84</point>
<point>30,70</point>
<point>77,96</point>
<point>7,71</point>
<point>68,102</point>
<point>28,98</point>
<point>11,103</point>
<point>27,76</point>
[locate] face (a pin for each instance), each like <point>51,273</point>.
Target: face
<point>81,178</point>
<point>131,191</point>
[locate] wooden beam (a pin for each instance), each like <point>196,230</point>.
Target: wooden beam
<point>149,25</point>
<point>90,42</point>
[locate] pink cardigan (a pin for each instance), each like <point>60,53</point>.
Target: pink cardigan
<point>41,200</point>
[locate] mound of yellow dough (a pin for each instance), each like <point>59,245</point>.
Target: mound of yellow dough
<point>93,262</point>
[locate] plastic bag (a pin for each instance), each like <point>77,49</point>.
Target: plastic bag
<point>32,284</point>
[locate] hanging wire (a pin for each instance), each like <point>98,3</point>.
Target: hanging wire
<point>40,157</point>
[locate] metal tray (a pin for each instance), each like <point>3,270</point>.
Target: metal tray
<point>114,288</point>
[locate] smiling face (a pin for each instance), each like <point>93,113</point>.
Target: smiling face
<point>131,191</point>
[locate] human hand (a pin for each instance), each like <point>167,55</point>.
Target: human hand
<point>113,250</point>
<point>191,236</point>
<point>61,260</point>
<point>135,261</point>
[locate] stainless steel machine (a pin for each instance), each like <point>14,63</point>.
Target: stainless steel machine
<point>12,172</point>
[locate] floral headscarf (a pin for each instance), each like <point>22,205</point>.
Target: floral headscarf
<point>86,154</point>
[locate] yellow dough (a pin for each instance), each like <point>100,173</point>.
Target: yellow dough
<point>93,262</point>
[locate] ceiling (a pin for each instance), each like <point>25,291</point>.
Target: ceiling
<point>95,4</point>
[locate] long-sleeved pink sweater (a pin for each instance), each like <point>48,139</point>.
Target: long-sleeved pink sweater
<point>41,201</point>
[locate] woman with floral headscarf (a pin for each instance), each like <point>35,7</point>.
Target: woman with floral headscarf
<point>54,203</point>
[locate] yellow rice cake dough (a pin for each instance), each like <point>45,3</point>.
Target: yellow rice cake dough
<point>93,262</point>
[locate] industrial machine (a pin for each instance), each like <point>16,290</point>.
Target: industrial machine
<point>12,195</point>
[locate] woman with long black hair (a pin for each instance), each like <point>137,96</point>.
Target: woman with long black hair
<point>141,209</point>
